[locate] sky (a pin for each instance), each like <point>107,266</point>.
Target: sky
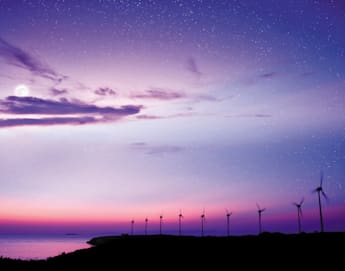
<point>112,111</point>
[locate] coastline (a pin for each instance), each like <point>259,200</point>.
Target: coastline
<point>137,250</point>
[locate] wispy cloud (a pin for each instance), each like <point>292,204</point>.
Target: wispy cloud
<point>259,115</point>
<point>210,98</point>
<point>20,58</point>
<point>105,91</point>
<point>192,66</point>
<point>158,94</point>
<point>178,115</point>
<point>56,92</point>
<point>149,117</point>
<point>257,78</point>
<point>156,149</point>
<point>268,75</point>
<point>78,112</point>
<point>47,121</point>
<point>306,74</point>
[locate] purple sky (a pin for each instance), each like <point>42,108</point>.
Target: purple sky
<point>119,110</point>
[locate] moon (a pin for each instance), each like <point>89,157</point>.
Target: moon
<point>21,90</point>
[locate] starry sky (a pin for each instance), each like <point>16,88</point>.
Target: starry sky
<point>114,110</point>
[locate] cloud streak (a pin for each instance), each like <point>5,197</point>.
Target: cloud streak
<point>249,116</point>
<point>57,92</point>
<point>33,105</point>
<point>159,94</point>
<point>50,112</point>
<point>192,66</point>
<point>47,121</point>
<point>20,58</point>
<point>268,75</point>
<point>105,91</point>
<point>156,149</point>
<point>178,115</point>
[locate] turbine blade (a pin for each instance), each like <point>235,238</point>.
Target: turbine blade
<point>263,209</point>
<point>324,194</point>
<point>321,178</point>
<point>258,206</point>
<point>301,202</point>
<point>294,203</point>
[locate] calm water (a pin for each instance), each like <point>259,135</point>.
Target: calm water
<point>40,247</point>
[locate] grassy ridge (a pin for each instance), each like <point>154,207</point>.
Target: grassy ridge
<point>166,252</point>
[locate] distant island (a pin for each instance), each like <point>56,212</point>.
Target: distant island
<point>171,252</point>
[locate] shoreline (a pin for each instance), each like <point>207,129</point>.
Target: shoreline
<point>134,250</point>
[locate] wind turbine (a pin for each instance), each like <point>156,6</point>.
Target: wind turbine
<point>132,226</point>
<point>146,221</point>
<point>228,214</point>
<point>160,224</point>
<point>299,213</point>
<point>260,211</point>
<point>319,191</point>
<point>202,222</point>
<point>180,216</point>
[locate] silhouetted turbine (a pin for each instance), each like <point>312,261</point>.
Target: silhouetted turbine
<point>260,211</point>
<point>228,214</point>
<point>146,221</point>
<point>202,222</point>
<point>132,227</point>
<point>160,224</point>
<point>180,216</point>
<point>299,213</point>
<point>319,191</point>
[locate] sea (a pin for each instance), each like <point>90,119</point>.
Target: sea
<point>40,247</point>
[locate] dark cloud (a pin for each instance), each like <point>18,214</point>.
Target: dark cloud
<point>156,149</point>
<point>192,66</point>
<point>105,92</point>
<point>268,75</point>
<point>81,113</point>
<point>33,105</point>
<point>20,58</point>
<point>57,92</point>
<point>46,121</point>
<point>159,94</point>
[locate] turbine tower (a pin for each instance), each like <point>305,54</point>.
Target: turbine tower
<point>132,227</point>
<point>228,214</point>
<point>180,216</point>
<point>160,224</point>
<point>259,212</point>
<point>202,222</point>
<point>146,221</point>
<point>299,214</point>
<point>319,191</point>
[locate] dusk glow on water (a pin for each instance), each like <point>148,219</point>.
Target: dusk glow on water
<point>116,110</point>
<point>39,247</point>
